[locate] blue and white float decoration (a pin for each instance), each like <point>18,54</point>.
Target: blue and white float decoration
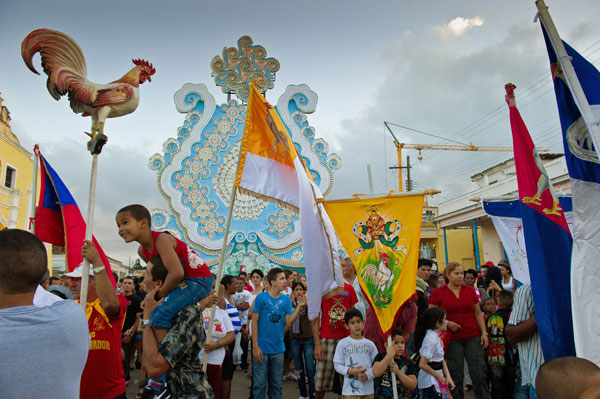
<point>196,171</point>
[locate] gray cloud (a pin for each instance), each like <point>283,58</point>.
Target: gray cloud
<point>441,86</point>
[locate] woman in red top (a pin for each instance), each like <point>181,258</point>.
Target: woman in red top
<point>469,333</point>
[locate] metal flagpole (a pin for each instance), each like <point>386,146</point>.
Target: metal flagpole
<point>572,81</point>
<point>95,147</point>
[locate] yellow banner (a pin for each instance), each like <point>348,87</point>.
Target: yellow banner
<point>381,236</point>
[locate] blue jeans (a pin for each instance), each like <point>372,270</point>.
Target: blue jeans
<point>270,370</point>
<point>188,292</point>
<point>524,391</point>
<point>303,350</point>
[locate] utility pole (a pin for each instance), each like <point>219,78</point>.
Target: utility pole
<point>409,186</point>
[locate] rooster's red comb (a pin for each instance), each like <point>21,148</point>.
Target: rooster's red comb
<point>146,64</point>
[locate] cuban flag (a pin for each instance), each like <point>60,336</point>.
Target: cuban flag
<point>584,169</point>
<point>507,220</point>
<point>58,220</point>
<point>547,239</point>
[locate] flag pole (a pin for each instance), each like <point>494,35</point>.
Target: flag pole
<point>95,147</point>
<point>32,211</point>
<point>213,309</point>
<point>571,77</point>
<point>85,274</point>
<point>394,386</point>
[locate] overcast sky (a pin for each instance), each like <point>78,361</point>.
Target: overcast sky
<point>434,66</point>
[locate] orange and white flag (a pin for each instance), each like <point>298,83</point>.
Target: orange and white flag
<point>270,167</point>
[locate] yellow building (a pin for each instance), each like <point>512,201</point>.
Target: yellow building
<point>16,176</point>
<point>460,242</point>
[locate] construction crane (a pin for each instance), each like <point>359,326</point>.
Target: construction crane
<point>447,147</point>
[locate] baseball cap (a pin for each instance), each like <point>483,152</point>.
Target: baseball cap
<point>78,272</point>
<point>61,289</point>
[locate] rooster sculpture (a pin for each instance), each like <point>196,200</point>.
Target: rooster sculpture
<point>64,63</point>
<point>381,276</point>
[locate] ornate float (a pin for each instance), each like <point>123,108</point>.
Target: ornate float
<point>196,170</point>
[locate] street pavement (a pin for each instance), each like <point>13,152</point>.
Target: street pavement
<point>241,385</point>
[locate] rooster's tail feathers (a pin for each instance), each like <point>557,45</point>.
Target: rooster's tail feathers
<point>62,60</point>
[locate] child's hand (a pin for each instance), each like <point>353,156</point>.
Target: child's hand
<point>441,379</point>
<point>257,353</point>
<point>450,383</point>
<point>362,377</point>
<point>394,367</point>
<point>210,346</point>
<point>452,326</point>
<point>391,350</point>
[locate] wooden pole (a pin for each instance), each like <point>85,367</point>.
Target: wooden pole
<point>219,274</point>
<point>394,386</point>
<point>85,274</point>
<point>34,189</point>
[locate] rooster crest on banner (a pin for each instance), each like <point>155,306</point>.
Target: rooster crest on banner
<point>382,256</point>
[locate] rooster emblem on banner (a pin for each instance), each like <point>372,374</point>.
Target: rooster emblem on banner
<point>378,241</point>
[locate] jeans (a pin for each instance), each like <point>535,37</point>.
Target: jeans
<point>502,381</point>
<point>303,350</point>
<point>188,292</point>
<point>469,349</point>
<point>268,370</point>
<point>524,391</point>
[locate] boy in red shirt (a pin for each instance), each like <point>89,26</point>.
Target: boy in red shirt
<point>327,334</point>
<point>188,279</point>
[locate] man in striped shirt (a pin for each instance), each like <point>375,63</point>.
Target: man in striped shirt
<point>522,331</point>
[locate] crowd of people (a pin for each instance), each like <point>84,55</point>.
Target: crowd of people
<point>462,330</point>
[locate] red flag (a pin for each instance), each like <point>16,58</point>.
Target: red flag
<point>58,220</point>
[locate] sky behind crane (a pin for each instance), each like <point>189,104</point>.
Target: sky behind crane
<point>438,67</point>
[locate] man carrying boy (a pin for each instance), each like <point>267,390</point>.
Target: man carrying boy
<point>272,313</point>
<point>354,357</point>
<point>501,357</point>
<point>177,354</point>
<point>188,277</point>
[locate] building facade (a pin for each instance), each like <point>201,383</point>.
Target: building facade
<point>478,235</point>
<point>16,176</point>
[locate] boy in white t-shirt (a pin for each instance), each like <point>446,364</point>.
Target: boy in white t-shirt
<point>222,336</point>
<point>354,357</point>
